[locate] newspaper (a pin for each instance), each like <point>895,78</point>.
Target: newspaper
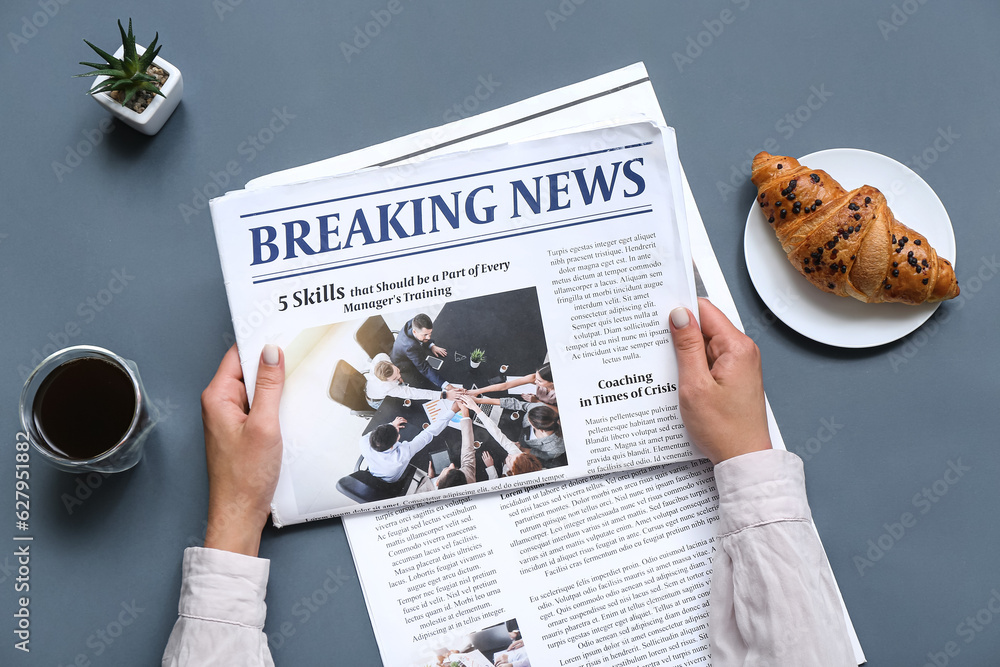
<point>564,252</point>
<point>488,578</point>
<point>591,571</point>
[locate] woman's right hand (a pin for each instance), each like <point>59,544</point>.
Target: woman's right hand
<point>720,385</point>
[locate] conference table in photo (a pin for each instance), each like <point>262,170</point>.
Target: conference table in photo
<point>508,327</point>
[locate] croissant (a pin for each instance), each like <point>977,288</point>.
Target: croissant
<point>848,243</point>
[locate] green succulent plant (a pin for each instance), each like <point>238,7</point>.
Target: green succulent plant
<point>127,75</point>
<point>477,355</point>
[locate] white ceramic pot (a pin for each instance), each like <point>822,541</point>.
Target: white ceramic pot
<point>475,364</point>
<point>156,114</point>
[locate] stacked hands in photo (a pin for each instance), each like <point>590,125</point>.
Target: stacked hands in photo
<point>539,446</point>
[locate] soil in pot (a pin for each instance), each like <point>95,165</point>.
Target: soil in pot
<point>141,100</point>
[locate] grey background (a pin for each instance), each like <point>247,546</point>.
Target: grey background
<point>902,411</point>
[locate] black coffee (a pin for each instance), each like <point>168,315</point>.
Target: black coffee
<point>84,408</point>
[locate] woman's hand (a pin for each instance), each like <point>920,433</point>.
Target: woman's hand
<point>720,385</point>
<point>470,403</point>
<point>487,459</point>
<point>243,450</point>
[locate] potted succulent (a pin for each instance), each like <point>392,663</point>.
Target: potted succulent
<point>135,85</point>
<point>476,357</point>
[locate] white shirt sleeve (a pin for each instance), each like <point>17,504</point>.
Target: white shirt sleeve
<point>411,447</point>
<point>414,393</point>
<point>773,601</point>
<point>505,442</point>
<point>378,389</point>
<point>221,612</point>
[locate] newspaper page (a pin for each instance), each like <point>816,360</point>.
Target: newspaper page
<point>623,93</point>
<point>547,260</point>
<point>613,569</point>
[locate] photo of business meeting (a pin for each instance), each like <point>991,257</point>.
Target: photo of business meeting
<point>499,645</point>
<point>445,395</point>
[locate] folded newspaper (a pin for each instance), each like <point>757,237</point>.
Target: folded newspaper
<point>610,568</point>
<point>551,262</point>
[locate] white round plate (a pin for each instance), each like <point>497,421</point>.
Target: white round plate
<point>828,318</point>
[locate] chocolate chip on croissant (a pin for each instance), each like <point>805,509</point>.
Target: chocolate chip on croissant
<point>848,243</point>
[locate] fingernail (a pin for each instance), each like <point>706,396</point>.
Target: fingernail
<point>271,355</point>
<point>679,318</point>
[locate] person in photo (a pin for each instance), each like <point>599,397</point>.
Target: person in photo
<point>516,657</point>
<point>466,472</point>
<point>545,388</point>
<point>386,456</point>
<point>385,379</point>
<point>525,462</point>
<point>410,351</point>
<point>542,431</point>
<point>518,461</point>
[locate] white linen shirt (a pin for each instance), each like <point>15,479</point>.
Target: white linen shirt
<point>220,617</point>
<point>773,599</point>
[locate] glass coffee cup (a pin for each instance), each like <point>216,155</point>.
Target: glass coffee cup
<point>85,409</point>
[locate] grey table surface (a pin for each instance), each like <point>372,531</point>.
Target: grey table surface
<point>916,80</point>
